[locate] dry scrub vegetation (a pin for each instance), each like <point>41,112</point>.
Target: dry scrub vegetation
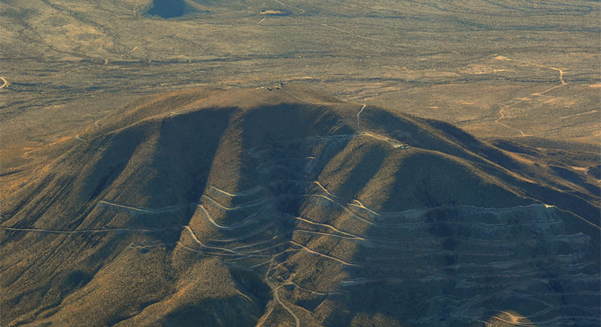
<point>227,163</point>
<point>286,207</point>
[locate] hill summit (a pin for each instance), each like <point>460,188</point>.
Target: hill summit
<point>282,206</point>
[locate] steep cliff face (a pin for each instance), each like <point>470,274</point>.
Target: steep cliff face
<point>288,207</point>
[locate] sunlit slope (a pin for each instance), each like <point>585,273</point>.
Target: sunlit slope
<point>286,207</point>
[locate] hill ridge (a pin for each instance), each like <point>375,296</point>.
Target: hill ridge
<point>288,213</point>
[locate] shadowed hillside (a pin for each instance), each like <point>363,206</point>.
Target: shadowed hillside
<point>282,206</point>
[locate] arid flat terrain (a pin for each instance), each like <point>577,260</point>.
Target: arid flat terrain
<point>494,68</point>
<point>300,163</point>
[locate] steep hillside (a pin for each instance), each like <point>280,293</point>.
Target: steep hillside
<point>282,206</point>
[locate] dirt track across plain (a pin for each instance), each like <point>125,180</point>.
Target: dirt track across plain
<point>502,110</point>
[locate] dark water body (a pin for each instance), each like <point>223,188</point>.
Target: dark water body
<point>168,8</point>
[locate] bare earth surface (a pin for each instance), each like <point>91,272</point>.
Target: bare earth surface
<point>300,163</point>
<point>286,207</point>
<point>493,68</point>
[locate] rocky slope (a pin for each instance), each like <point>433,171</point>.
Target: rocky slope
<point>286,207</point>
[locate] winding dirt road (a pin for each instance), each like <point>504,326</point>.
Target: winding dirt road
<point>5,83</point>
<point>277,297</point>
<point>513,319</point>
<point>241,193</point>
<point>537,65</point>
<point>247,205</point>
<point>249,220</point>
<point>90,231</point>
<point>141,209</point>
<point>358,117</point>
<point>394,143</point>
<point>259,250</point>
<point>502,110</point>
